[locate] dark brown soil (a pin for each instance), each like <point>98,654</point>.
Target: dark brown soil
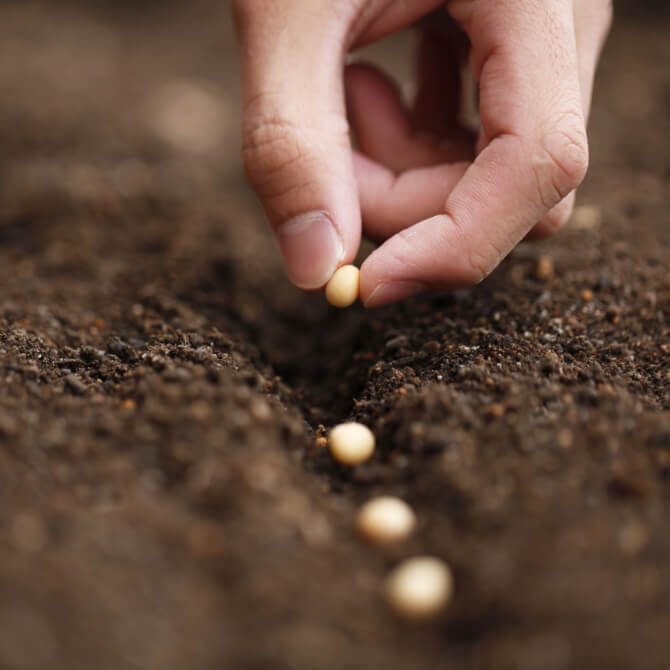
<point>164,501</point>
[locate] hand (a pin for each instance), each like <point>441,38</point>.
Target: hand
<point>450,206</point>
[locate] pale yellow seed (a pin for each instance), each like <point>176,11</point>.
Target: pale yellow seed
<point>343,287</point>
<point>385,520</point>
<point>586,217</point>
<point>419,588</point>
<point>351,443</point>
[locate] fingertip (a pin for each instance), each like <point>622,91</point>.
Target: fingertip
<point>296,143</point>
<point>312,249</point>
<point>370,79</point>
<point>386,275</point>
<point>394,291</point>
<point>432,254</point>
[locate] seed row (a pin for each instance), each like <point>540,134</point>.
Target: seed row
<point>418,588</point>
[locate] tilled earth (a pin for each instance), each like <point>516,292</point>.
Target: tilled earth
<point>165,500</point>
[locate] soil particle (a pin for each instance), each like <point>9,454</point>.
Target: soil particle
<point>168,498</point>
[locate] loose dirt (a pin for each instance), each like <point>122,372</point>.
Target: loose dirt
<point>168,500</point>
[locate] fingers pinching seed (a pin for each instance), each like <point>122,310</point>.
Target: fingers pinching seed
<point>419,588</point>
<point>385,520</point>
<point>343,288</point>
<point>351,443</point>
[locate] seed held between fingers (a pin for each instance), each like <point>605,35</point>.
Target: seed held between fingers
<point>351,443</point>
<point>343,288</point>
<point>419,588</point>
<point>385,520</point>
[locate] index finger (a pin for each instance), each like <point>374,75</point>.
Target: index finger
<point>535,152</point>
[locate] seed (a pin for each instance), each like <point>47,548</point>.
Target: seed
<point>385,520</point>
<point>351,443</point>
<point>586,217</point>
<point>342,289</point>
<point>419,588</point>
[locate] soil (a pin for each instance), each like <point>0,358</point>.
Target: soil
<point>165,500</point>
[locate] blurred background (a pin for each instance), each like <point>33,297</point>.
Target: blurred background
<point>161,507</point>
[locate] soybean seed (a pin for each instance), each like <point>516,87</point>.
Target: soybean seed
<point>343,287</point>
<point>385,520</point>
<point>419,588</point>
<point>351,443</point>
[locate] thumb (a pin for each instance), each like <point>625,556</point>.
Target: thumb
<point>296,146</point>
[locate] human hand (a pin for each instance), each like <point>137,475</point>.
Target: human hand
<point>450,206</point>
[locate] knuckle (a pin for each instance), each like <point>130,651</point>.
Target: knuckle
<point>281,153</point>
<point>270,147</point>
<point>561,159</point>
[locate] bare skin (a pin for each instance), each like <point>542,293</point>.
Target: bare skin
<point>447,204</point>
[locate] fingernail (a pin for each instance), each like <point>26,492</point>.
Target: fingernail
<point>386,293</point>
<point>311,249</point>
